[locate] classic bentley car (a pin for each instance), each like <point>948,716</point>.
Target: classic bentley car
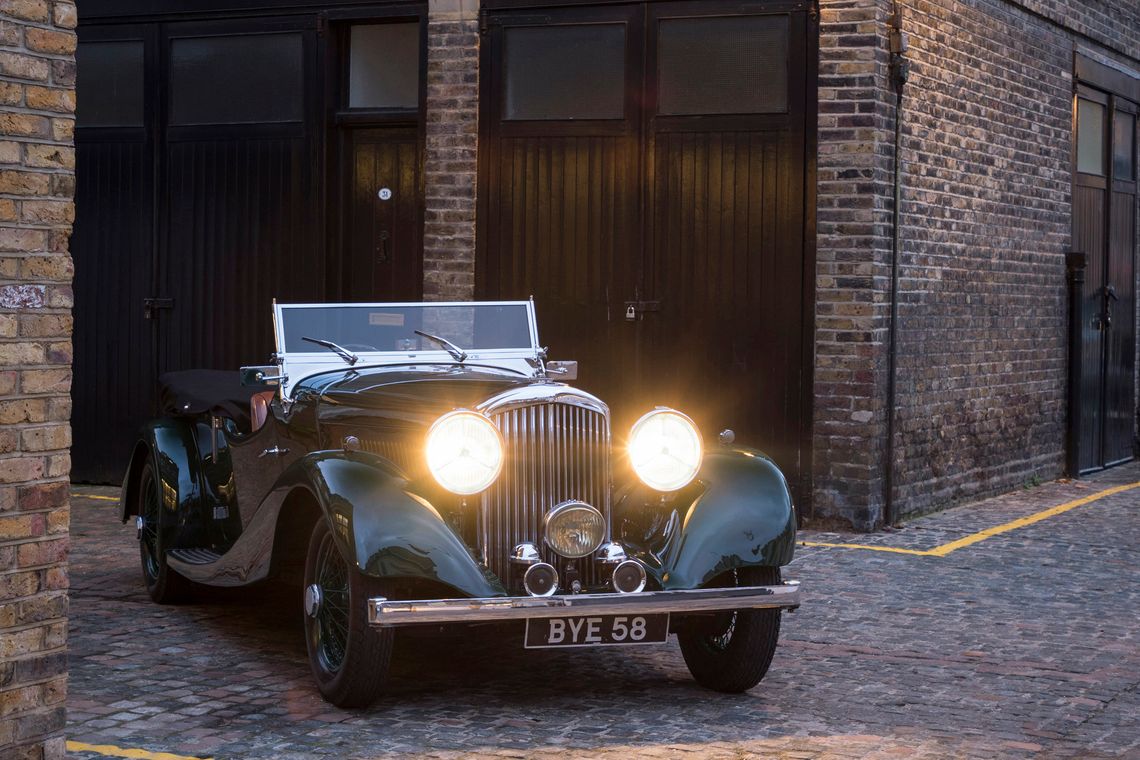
<point>418,466</point>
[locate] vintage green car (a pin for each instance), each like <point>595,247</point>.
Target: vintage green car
<point>411,466</point>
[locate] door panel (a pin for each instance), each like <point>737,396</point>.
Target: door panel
<point>1088,237</point>
<point>1104,228</point>
<point>694,215</point>
<point>382,229</point>
<point>113,388</point>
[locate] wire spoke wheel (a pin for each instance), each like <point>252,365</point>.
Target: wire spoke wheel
<point>164,585</point>
<point>349,658</point>
<point>332,617</point>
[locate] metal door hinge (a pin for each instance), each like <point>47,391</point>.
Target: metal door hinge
<point>153,305</point>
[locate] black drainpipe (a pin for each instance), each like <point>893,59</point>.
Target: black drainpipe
<point>900,71</point>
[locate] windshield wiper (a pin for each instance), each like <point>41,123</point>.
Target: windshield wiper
<point>343,353</point>
<point>457,353</point>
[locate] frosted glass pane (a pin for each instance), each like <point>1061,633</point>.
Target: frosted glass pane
<point>729,65</point>
<point>240,79</point>
<point>110,88</point>
<point>384,66</point>
<point>1123,146</point>
<point>1090,137</point>
<point>565,72</point>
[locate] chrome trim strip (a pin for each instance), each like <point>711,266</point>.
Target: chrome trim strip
<point>542,393</point>
<point>384,613</point>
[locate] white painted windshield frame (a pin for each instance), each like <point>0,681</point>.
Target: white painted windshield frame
<point>296,366</point>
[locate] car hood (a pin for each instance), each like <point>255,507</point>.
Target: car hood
<point>413,390</point>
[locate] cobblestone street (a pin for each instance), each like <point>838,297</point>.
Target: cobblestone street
<point>1025,642</point>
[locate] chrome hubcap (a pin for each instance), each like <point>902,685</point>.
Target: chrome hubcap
<point>313,599</point>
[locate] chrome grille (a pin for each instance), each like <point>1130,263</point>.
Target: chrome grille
<point>555,451</point>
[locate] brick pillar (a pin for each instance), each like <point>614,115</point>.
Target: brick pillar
<point>852,262</point>
<point>37,161</point>
<point>449,163</point>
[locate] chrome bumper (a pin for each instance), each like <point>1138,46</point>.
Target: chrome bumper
<point>382,612</point>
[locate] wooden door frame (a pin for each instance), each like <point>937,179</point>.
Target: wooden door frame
<point>339,122</point>
<point>489,85</point>
<point>1103,84</point>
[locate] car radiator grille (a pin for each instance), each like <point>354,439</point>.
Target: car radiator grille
<point>554,452</point>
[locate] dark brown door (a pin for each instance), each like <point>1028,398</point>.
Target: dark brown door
<point>381,224</point>
<point>643,176</point>
<point>1104,228</point>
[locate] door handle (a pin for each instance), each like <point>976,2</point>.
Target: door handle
<point>634,309</point>
<point>383,247</point>
<point>1109,297</point>
<point>275,451</point>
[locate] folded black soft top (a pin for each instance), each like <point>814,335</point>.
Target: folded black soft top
<point>206,391</point>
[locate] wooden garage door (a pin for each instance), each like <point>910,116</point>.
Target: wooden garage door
<point>644,174</point>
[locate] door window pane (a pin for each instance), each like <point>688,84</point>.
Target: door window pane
<point>1123,146</point>
<point>1090,137</point>
<point>565,72</point>
<point>243,79</point>
<point>109,90</point>
<point>384,66</point>
<point>730,65</point>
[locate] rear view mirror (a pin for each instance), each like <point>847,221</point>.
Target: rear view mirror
<point>562,370</point>
<point>267,375</point>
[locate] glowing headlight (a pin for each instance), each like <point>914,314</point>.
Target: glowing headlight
<point>464,452</point>
<point>665,449</point>
<point>574,529</point>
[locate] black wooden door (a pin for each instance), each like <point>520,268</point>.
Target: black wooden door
<point>241,216</point>
<point>643,176</point>
<point>382,248</point>
<point>1104,228</point>
<point>112,245</point>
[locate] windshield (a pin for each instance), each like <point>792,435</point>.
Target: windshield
<point>314,338</point>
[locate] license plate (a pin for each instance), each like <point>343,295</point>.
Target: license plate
<point>596,631</point>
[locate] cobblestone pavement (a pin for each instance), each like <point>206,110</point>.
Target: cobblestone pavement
<point>1025,644</point>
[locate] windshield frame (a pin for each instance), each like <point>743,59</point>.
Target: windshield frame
<point>298,365</point>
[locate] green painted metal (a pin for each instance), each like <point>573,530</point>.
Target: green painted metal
<point>384,526</point>
<point>737,513</point>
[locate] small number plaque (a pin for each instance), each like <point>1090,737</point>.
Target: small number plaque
<point>596,631</point>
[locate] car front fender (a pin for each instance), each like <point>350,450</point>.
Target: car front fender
<point>382,526</point>
<point>737,513</point>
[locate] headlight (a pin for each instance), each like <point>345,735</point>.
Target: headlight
<point>574,529</point>
<point>464,452</point>
<point>665,449</point>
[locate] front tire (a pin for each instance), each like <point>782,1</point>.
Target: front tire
<point>165,586</point>
<point>349,658</point>
<point>731,652</point>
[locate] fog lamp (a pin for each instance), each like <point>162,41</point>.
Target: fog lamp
<point>574,529</point>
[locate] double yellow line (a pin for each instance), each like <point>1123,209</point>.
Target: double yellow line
<point>982,535</point>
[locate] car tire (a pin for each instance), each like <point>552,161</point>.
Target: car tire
<point>731,652</point>
<point>165,586</point>
<point>349,658</point>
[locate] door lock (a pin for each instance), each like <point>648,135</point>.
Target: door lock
<point>634,310</point>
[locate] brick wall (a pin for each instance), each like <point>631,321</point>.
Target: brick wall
<point>852,261</point>
<point>450,163</point>
<point>985,222</point>
<point>37,100</point>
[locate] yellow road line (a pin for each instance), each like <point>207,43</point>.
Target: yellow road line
<point>93,496</point>
<point>110,750</point>
<point>953,546</point>
<point>892,549</point>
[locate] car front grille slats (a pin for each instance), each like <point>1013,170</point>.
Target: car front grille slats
<point>554,452</point>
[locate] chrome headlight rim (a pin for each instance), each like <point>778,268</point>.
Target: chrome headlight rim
<point>691,469</point>
<point>559,511</point>
<point>483,419</point>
